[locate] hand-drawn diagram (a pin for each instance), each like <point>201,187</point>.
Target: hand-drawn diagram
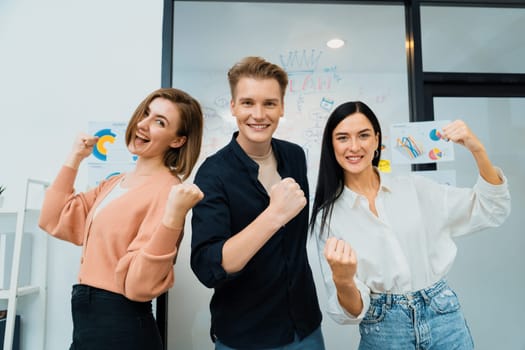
<point>316,87</point>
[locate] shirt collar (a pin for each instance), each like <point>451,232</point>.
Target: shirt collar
<point>247,160</point>
<point>384,186</point>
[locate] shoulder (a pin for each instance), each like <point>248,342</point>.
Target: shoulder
<point>287,145</point>
<point>221,164</point>
<point>217,160</point>
<point>288,149</point>
<point>110,180</point>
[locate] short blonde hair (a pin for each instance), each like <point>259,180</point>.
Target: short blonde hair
<point>257,68</point>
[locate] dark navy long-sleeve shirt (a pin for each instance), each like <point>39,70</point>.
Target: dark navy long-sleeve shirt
<point>273,296</point>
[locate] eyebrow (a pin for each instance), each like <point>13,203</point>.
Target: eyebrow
<point>158,116</point>
<point>359,132</point>
<point>241,99</point>
<point>163,117</point>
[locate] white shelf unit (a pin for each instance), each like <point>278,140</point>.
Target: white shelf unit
<point>29,299</point>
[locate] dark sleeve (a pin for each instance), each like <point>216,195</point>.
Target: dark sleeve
<point>210,225</point>
<point>304,176</point>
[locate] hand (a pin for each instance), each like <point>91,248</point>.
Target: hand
<point>184,196</point>
<point>83,145</point>
<point>460,133</point>
<point>286,200</point>
<point>82,148</point>
<point>181,199</point>
<point>341,259</point>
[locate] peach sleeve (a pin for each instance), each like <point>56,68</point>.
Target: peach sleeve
<point>142,276</point>
<point>63,212</point>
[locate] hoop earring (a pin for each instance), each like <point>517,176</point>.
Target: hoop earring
<point>376,153</point>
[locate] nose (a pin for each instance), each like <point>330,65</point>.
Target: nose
<point>258,112</point>
<point>143,123</point>
<point>354,144</point>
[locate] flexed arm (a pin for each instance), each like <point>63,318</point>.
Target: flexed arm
<point>458,132</point>
<point>64,212</point>
<point>181,199</point>
<point>286,201</point>
<point>82,148</point>
<point>146,273</point>
<point>343,263</point>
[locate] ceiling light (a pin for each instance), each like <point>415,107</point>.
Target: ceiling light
<point>335,43</point>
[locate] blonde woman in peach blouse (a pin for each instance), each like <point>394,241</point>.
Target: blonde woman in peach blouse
<point>129,226</point>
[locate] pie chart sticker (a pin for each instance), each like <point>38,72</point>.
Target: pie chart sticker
<point>100,151</point>
<point>435,154</point>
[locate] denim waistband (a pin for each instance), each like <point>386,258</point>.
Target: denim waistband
<point>411,297</point>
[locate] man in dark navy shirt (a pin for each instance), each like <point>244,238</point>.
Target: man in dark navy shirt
<point>249,232</point>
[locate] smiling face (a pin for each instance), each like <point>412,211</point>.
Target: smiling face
<point>354,143</point>
<point>257,105</point>
<point>156,131</point>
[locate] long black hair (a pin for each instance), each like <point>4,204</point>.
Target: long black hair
<point>330,180</point>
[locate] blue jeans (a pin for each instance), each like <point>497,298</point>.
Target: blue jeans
<point>314,341</point>
<point>103,320</point>
<point>429,319</point>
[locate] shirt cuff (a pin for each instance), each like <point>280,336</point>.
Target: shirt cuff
<point>340,315</point>
<point>491,188</point>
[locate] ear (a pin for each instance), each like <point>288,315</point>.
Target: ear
<point>232,106</point>
<point>178,142</point>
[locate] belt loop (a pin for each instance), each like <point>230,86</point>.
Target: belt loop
<point>425,296</point>
<point>388,299</point>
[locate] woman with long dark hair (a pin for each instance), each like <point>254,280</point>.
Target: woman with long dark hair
<point>386,242</point>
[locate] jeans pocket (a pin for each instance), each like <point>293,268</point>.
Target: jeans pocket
<point>376,313</point>
<point>445,302</point>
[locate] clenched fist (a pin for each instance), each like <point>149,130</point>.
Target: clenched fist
<point>458,132</point>
<point>181,199</point>
<point>82,148</point>
<point>286,200</point>
<point>342,260</point>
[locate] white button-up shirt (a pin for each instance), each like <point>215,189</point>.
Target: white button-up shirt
<point>408,246</point>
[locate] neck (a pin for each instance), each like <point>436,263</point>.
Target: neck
<point>147,167</point>
<point>365,183</point>
<point>259,149</point>
<point>261,157</point>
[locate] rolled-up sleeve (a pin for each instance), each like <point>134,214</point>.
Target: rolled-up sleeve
<point>142,276</point>
<point>334,308</point>
<point>210,223</point>
<point>470,210</point>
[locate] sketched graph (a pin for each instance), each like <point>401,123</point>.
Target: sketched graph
<point>409,147</point>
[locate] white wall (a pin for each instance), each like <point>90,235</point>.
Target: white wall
<point>64,63</point>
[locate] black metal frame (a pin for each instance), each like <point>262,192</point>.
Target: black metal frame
<point>422,86</point>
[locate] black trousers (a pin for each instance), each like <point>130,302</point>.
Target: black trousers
<point>106,320</point>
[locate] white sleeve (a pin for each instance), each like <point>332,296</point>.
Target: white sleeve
<point>465,210</point>
<point>334,309</point>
